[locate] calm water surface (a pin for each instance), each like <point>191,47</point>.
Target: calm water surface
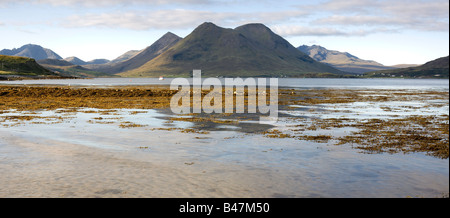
<point>283,82</point>
<point>87,154</point>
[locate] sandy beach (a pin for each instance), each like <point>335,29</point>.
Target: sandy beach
<point>106,150</point>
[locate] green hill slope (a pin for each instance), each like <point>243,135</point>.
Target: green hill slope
<point>438,68</point>
<point>12,65</point>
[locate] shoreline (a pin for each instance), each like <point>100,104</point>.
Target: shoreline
<point>77,158</point>
<point>123,141</point>
<point>427,130</point>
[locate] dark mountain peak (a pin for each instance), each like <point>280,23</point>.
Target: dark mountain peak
<point>167,38</point>
<point>312,47</point>
<point>256,30</point>
<point>341,60</point>
<point>320,53</point>
<point>248,50</point>
<point>317,52</point>
<point>208,25</point>
<point>255,27</point>
<point>208,28</point>
<point>208,34</point>
<point>170,35</point>
<point>77,61</point>
<point>140,58</point>
<point>263,35</point>
<point>304,48</point>
<point>316,46</point>
<point>32,46</point>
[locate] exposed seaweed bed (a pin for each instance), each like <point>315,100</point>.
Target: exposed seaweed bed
<point>376,120</point>
<point>306,114</point>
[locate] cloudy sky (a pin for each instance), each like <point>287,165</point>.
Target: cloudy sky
<point>387,31</point>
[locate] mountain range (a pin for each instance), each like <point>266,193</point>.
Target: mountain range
<point>251,50</point>
<point>127,55</point>
<point>248,50</point>
<point>68,69</point>
<point>342,60</point>
<point>36,52</point>
<point>438,68</point>
<point>137,59</point>
<point>77,61</point>
<point>23,66</point>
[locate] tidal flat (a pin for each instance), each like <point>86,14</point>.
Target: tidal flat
<point>123,141</point>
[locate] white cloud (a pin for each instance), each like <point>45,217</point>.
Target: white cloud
<point>297,30</point>
<point>364,17</point>
<point>410,7</point>
<point>347,5</point>
<point>163,19</point>
<point>434,9</point>
<point>174,19</point>
<point>363,21</point>
<point>291,30</point>
<point>332,17</point>
<point>101,3</point>
<point>416,14</point>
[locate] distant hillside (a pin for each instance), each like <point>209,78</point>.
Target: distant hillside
<point>139,59</point>
<point>404,65</point>
<point>36,52</point>
<point>77,61</point>
<point>127,55</point>
<point>66,68</point>
<point>55,62</point>
<point>438,68</point>
<point>249,50</point>
<point>342,60</point>
<point>97,61</point>
<point>12,65</point>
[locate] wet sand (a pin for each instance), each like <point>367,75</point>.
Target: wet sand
<point>54,143</point>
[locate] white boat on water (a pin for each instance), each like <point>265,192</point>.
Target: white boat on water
<point>161,78</point>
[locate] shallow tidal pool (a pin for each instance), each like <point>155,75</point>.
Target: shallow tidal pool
<point>87,152</point>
